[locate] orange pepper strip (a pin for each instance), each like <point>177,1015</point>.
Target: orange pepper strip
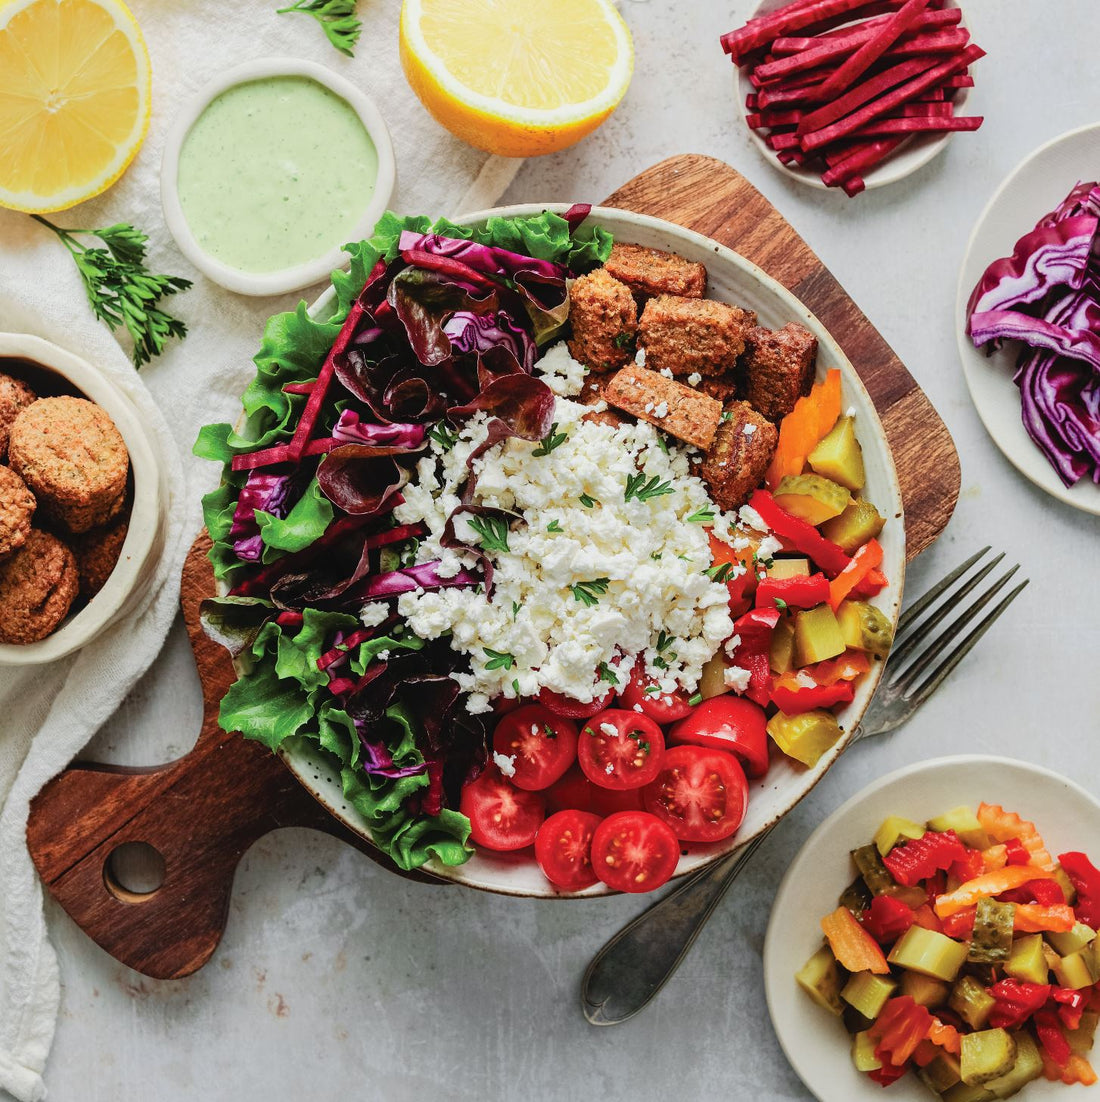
<point>804,428</point>
<point>863,562</point>
<point>988,884</point>
<point>1036,918</point>
<point>1002,825</point>
<point>847,667</point>
<point>852,946</point>
<point>996,857</point>
<point>944,1035</point>
<point>1079,1070</point>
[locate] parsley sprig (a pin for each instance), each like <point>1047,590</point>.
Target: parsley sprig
<point>492,532</point>
<point>443,436</point>
<point>720,572</point>
<point>701,516</point>
<point>607,674</point>
<point>589,593</point>
<point>637,486</point>
<point>337,19</point>
<point>553,439</point>
<point>498,660</point>
<point>121,290</point>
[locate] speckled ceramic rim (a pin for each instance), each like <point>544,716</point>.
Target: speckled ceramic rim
<point>914,153</point>
<point>145,535</point>
<point>508,874</point>
<point>303,275</point>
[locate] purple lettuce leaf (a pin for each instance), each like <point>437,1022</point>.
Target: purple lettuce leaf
<point>409,579</point>
<point>362,478</point>
<point>350,429</point>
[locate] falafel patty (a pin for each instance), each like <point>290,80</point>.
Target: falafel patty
<point>38,584</point>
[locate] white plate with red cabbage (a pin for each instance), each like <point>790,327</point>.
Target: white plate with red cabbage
<point>1029,295</point>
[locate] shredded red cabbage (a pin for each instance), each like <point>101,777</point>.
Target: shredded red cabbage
<point>271,494</point>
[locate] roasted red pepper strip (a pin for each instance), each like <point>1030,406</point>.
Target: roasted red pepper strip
<point>795,701</point>
<point>1071,1005</point>
<point>1016,1001</point>
<point>803,536</point>
<point>1085,877</point>
<point>798,592</point>
<point>919,858</point>
<point>1053,1041</point>
<point>887,1074</point>
<point>970,866</point>
<point>960,925</point>
<point>871,586</point>
<point>886,919</point>
<point>1047,892</point>
<point>863,562</point>
<point>1017,852</point>
<point>753,653</point>
<point>899,1029</point>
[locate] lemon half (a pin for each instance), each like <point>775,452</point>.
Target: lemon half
<point>517,77</point>
<point>74,99</point>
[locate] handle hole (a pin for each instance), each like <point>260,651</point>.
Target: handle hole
<point>134,872</point>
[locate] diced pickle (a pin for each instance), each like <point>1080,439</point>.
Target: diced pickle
<point>804,737</point>
<point>1081,1039</point>
<point>1072,940</point>
<point>868,993</point>
<point>964,823</point>
<point>991,941</point>
<point>971,1002</point>
<point>928,952</point>
<point>924,990</point>
<point>1063,881</point>
<point>893,830</point>
<point>839,457</point>
<point>798,567</point>
<point>817,635</point>
<point>860,522</point>
<point>875,874</point>
<point>713,679</point>
<point>864,627</point>
<point>1075,971</point>
<point>781,656</point>
<point>863,1052</point>
<point>962,1092</point>
<point>1027,1067</point>
<point>986,1054</point>
<point>856,896</point>
<point>820,978</point>
<point>811,498</point>
<point>1027,961</point>
<point>854,1021</point>
<point>942,1073</point>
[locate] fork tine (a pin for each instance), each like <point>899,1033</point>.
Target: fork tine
<point>936,678</point>
<point>936,646</point>
<point>917,607</point>
<point>920,633</point>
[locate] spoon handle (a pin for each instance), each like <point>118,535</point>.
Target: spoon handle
<point>637,962</point>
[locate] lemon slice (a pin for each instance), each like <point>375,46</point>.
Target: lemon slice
<point>517,77</point>
<point>74,99</point>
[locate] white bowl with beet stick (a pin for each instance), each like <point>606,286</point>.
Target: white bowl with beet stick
<point>735,280</point>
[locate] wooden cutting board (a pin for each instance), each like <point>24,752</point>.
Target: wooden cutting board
<point>203,811</point>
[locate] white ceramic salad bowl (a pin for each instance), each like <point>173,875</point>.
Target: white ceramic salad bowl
<point>736,280</point>
<point>816,1044</point>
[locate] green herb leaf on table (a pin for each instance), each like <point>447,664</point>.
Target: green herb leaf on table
<point>120,289</point>
<point>337,19</point>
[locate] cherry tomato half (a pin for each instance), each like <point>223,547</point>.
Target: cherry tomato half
<point>563,705</point>
<point>701,794</point>
<point>543,745</point>
<point>502,817</point>
<point>563,849</point>
<point>576,792</point>
<point>728,723</point>
<point>662,707</point>
<point>620,749</point>
<point>633,851</point>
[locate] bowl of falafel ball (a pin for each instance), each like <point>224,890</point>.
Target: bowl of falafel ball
<point>81,502</point>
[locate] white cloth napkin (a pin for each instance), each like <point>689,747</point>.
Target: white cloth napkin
<point>50,713</point>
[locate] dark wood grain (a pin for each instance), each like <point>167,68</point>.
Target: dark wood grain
<point>204,810</point>
<point>711,198</point>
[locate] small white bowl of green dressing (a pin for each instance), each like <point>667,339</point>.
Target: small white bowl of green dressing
<point>270,170</point>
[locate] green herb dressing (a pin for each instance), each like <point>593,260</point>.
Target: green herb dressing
<point>274,173</point>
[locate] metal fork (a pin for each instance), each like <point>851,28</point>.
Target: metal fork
<point>637,962</point>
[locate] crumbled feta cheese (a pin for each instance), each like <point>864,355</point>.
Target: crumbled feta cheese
<point>560,372</point>
<point>732,643</point>
<point>506,763</point>
<point>741,543</point>
<point>749,428</point>
<point>667,373</point>
<point>805,680</point>
<point>769,545</point>
<point>694,379</point>
<point>610,730</point>
<point>370,616</point>
<point>736,678</point>
<point>609,768</point>
<point>750,518</point>
<point>660,410</point>
<point>850,411</point>
<point>639,357</point>
<point>649,407</point>
<point>383,656</point>
<point>639,708</point>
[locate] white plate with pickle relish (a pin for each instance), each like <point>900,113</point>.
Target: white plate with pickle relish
<point>732,279</point>
<point>815,1042</point>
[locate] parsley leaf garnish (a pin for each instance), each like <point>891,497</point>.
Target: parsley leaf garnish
<point>607,674</point>
<point>701,516</point>
<point>121,290</point>
<point>696,699</point>
<point>553,439</point>
<point>780,604</point>
<point>720,572</point>
<point>622,340</point>
<point>662,443</point>
<point>589,593</point>
<point>637,486</point>
<point>587,501</point>
<point>337,19</point>
<point>639,738</point>
<point>554,526</point>
<point>493,532</point>
<point>549,731</point>
<point>443,436</point>
<point>664,640</point>
<point>515,610</point>
<point>498,660</point>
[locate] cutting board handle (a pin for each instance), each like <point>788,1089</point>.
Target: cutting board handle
<point>200,813</point>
